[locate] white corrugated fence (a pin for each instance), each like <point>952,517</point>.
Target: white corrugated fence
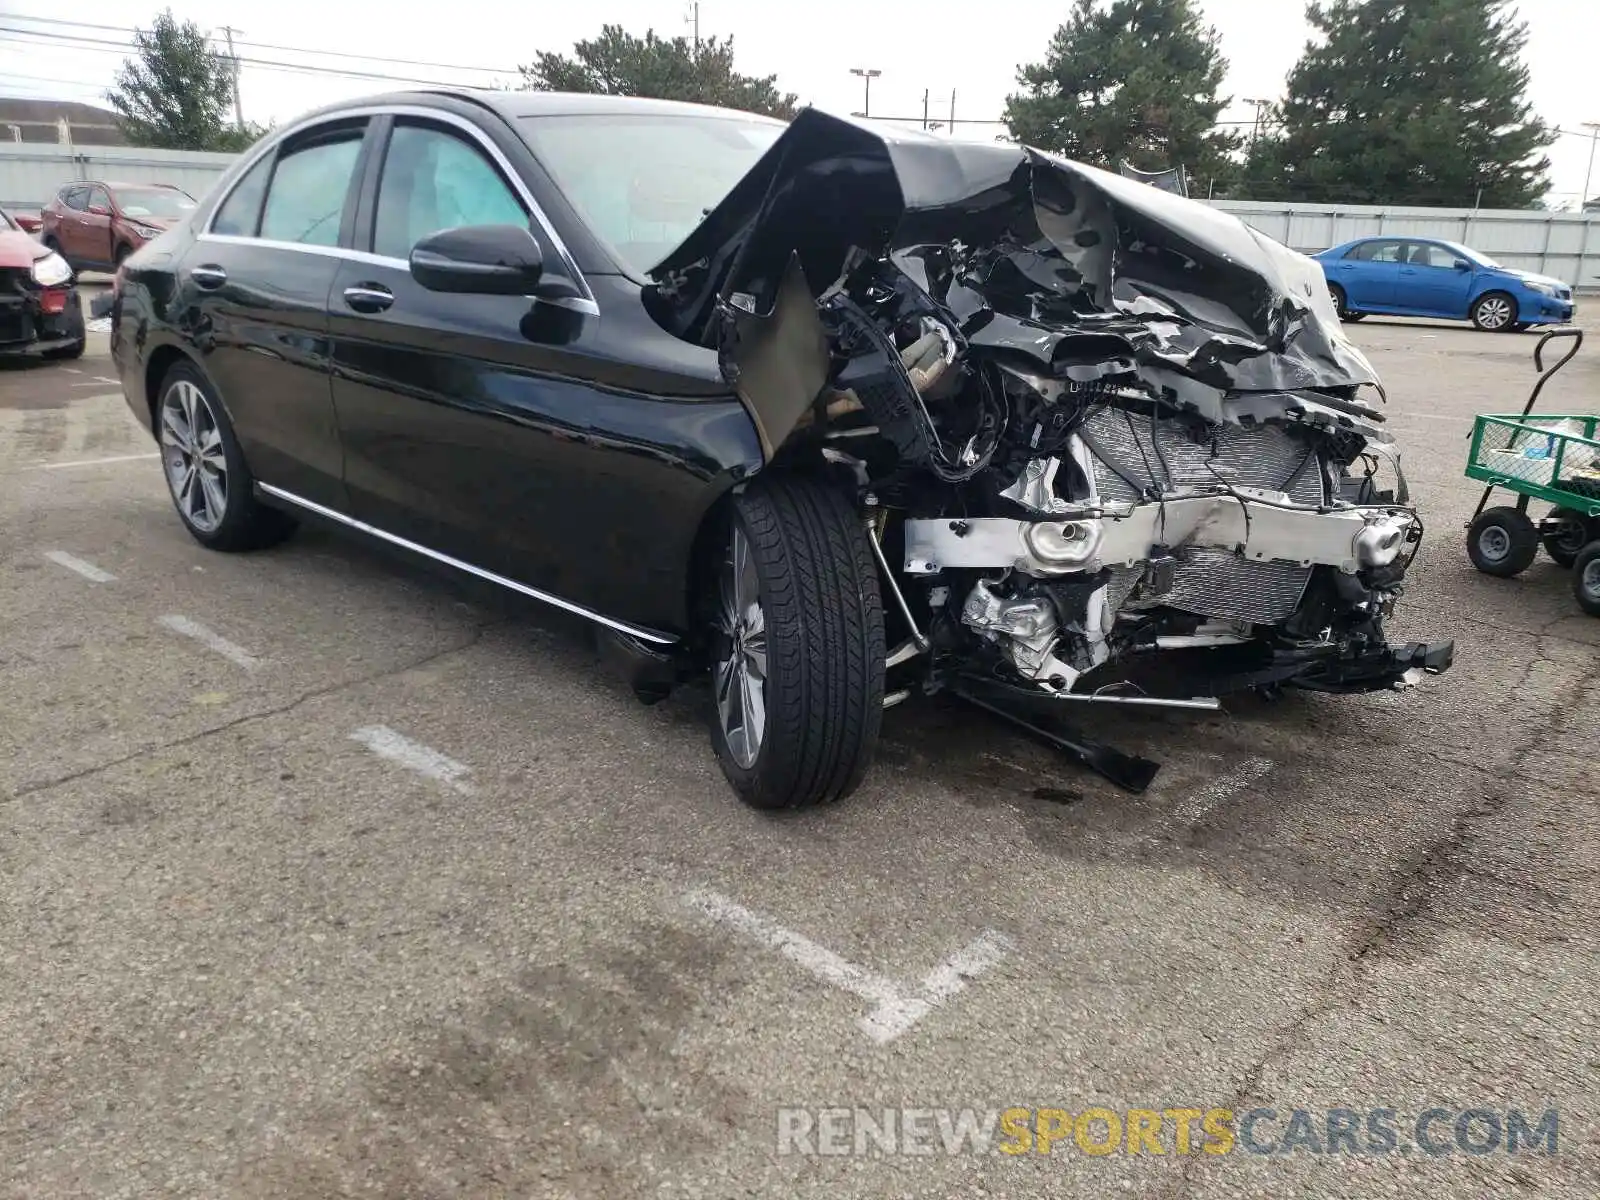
<point>1563,245</point>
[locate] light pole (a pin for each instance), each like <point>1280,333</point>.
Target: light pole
<point>868,74</point>
<point>1594,136</point>
<point>1255,130</point>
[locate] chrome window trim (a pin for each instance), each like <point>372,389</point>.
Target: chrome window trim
<point>637,631</point>
<point>583,304</point>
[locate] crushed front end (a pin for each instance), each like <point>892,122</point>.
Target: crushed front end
<point>1114,444</point>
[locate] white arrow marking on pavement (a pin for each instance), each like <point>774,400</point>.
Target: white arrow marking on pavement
<point>896,1007</point>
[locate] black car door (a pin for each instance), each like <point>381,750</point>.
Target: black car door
<point>257,281</point>
<point>496,429</point>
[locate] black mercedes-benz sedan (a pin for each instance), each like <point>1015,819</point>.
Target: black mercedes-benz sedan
<point>831,413</point>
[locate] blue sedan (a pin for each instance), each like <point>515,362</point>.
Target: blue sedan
<point>1422,277</point>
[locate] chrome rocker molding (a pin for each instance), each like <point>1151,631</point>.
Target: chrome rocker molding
<point>645,635</point>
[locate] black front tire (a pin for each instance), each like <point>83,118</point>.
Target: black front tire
<point>1502,542</point>
<point>1586,579</point>
<point>824,655</point>
<point>1342,304</point>
<point>1566,541</point>
<point>246,523</point>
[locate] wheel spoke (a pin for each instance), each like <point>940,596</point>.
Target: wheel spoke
<point>213,497</point>
<point>753,703</point>
<point>755,653</point>
<point>187,489</point>
<point>175,430</point>
<point>211,449</point>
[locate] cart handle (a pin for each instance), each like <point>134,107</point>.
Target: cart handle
<point>1566,331</point>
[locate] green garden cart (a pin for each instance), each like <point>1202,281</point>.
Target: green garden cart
<point>1555,459</point>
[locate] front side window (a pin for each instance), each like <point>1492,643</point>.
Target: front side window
<point>306,198</point>
<point>643,182</point>
<point>434,180</point>
<point>99,198</point>
<point>74,198</point>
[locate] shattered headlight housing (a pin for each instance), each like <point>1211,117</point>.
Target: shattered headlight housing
<point>51,270</point>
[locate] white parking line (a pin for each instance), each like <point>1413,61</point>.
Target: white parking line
<point>414,756</point>
<point>896,1007</point>
<point>94,462</point>
<point>73,563</point>
<point>1219,789</point>
<point>211,640</point>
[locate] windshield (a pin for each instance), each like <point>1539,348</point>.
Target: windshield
<point>1471,255</point>
<point>643,182</point>
<point>165,203</point>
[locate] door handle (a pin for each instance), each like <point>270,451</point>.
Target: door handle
<point>208,276</point>
<point>368,297</point>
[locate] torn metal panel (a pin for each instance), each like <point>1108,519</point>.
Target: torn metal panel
<point>1105,421</point>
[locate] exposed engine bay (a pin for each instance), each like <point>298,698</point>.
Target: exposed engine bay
<point>1113,444</point>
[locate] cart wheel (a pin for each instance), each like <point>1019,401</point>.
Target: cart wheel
<point>1566,533</point>
<point>1503,542</point>
<point>1586,579</point>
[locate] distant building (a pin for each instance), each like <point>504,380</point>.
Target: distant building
<point>58,121</point>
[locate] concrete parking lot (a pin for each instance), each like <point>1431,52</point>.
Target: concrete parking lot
<point>324,876</point>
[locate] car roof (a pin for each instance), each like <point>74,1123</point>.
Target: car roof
<point>512,105</point>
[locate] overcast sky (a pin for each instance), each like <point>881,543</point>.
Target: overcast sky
<point>973,49</point>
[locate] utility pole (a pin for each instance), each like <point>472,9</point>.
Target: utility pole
<point>238,105</point>
<point>924,108</point>
<point>1255,130</point>
<point>868,74</point>
<point>952,112</point>
<point>694,19</point>
<point>1594,136</point>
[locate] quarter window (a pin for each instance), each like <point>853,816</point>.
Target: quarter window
<point>434,180</point>
<point>306,198</point>
<point>241,211</point>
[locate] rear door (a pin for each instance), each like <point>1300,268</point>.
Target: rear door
<point>258,280</point>
<point>1430,282</point>
<point>69,229</point>
<point>1370,273</point>
<point>96,243</point>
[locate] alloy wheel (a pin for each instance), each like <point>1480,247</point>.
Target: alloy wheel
<point>192,454</point>
<point>1494,313</point>
<point>740,671</point>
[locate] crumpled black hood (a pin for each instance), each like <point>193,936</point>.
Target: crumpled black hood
<point>1029,252</point>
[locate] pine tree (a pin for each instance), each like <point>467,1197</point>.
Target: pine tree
<point>1129,80</point>
<point>619,64</point>
<point>1408,102</point>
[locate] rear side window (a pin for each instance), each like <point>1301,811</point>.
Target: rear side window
<point>241,211</point>
<point>1387,252</point>
<point>310,183</point>
<point>434,180</point>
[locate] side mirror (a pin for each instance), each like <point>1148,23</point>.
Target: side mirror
<point>1462,264</point>
<point>485,260</point>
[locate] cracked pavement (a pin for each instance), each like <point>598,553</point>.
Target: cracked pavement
<point>244,955</point>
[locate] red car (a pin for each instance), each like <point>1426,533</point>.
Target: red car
<point>40,312</point>
<point>94,226</point>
